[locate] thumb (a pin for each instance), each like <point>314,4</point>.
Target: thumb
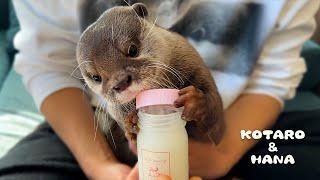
<point>164,177</point>
<point>134,174</point>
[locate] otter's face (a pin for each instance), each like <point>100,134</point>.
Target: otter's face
<point>112,56</point>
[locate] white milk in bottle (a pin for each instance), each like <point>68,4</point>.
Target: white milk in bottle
<point>162,141</point>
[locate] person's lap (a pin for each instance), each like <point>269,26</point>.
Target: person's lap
<point>305,151</point>
<point>42,155</point>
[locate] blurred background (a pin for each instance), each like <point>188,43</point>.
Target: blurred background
<point>18,115</point>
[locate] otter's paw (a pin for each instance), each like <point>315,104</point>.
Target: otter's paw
<point>200,108</point>
<point>131,127</point>
<point>194,102</point>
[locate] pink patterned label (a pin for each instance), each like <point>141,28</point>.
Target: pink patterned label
<point>154,164</point>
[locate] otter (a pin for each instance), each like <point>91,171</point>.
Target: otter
<point>123,53</point>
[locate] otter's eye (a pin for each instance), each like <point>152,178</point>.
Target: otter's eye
<point>133,51</point>
<point>96,78</point>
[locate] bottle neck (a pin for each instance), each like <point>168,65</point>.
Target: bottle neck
<point>160,117</point>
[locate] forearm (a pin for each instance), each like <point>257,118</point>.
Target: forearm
<point>70,114</point>
<point>251,111</point>
<point>248,112</point>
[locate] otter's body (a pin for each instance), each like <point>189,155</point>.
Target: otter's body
<point>123,53</point>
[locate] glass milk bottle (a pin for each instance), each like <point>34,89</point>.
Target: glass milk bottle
<point>162,140</point>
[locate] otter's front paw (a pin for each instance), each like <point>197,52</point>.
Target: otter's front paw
<point>194,102</point>
<point>131,127</point>
<point>200,108</point>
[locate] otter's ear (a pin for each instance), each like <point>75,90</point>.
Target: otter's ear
<point>140,9</point>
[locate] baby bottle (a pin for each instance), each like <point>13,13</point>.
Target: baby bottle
<point>162,140</point>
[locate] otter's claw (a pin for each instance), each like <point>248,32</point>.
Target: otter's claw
<point>131,127</point>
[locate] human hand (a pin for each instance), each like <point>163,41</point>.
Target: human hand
<point>165,177</point>
<point>205,160</point>
<point>208,160</point>
<point>116,171</point>
<point>134,175</point>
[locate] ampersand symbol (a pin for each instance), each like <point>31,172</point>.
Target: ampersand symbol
<point>272,147</point>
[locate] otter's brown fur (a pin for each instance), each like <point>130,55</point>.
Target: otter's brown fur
<point>165,59</point>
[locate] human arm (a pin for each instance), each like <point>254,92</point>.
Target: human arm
<point>46,58</point>
<point>275,78</point>
<point>240,115</point>
<point>69,113</point>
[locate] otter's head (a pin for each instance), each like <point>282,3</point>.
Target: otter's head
<point>117,54</point>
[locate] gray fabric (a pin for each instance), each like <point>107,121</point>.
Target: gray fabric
<point>305,151</point>
<point>304,101</point>
<point>18,115</point>
<point>4,59</point>
<point>4,11</point>
<point>42,155</point>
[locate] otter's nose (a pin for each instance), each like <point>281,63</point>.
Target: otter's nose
<point>123,84</point>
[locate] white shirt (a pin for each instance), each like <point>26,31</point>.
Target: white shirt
<point>50,30</point>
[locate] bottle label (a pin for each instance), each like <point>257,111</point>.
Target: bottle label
<point>154,164</point>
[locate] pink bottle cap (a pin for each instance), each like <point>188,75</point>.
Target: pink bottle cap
<point>156,97</point>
